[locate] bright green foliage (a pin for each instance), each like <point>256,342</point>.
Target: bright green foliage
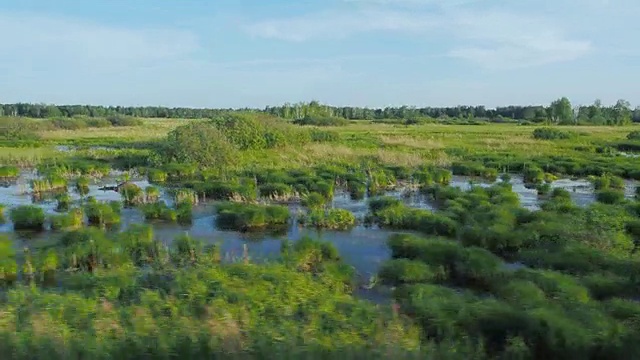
<point>246,217</point>
<point>332,219</point>
<point>184,213</point>
<point>610,196</point>
<point>151,194</point>
<point>157,176</point>
<point>391,213</point>
<point>74,219</point>
<point>321,121</point>
<point>2,216</point>
<point>27,217</point>
<point>634,135</point>
<point>276,191</point>
<point>82,186</point>
<point>50,183</point>
<point>8,172</point>
<point>64,201</point>
<point>159,211</point>
<point>103,214</point>
<point>185,196</point>
<point>547,133</point>
<point>199,143</point>
<point>132,194</point>
<point>313,200</point>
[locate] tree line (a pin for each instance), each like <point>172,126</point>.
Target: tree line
<point>560,111</point>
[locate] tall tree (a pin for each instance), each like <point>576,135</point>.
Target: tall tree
<point>561,112</point>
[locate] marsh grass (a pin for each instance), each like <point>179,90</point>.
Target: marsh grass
<point>27,217</point>
<point>74,219</point>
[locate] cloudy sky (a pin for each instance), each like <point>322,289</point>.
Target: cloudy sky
<point>237,53</point>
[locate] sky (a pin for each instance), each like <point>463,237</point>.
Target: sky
<point>377,53</point>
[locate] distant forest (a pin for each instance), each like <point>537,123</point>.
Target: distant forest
<point>560,111</point>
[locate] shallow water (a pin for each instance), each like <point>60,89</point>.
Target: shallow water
<point>362,247</point>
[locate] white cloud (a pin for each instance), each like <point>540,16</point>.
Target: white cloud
<point>491,38</point>
<point>336,25</point>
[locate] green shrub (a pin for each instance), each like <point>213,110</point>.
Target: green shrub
<point>184,213</point>
<point>276,191</point>
<point>198,143</point>
<point>50,183</point>
<point>82,186</point>
<point>634,135</point>
<point>9,172</point>
<point>610,196</point>
<point>313,200</point>
<point>124,121</point>
<point>151,194</point>
<point>132,194</point>
<point>547,133</point>
<point>103,214</point>
<point>72,220</point>
<point>159,211</point>
<point>247,217</point>
<point>64,201</point>
<point>324,136</point>
<point>404,271</point>
<point>156,176</point>
<point>321,121</point>
<point>333,219</point>
<point>27,217</point>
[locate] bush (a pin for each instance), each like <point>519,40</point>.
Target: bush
<point>248,217</point>
<point>103,214</point>
<point>132,194</point>
<point>610,196</point>
<point>159,211</point>
<point>64,201</point>
<point>9,172</point>
<point>82,186</point>
<point>199,143</point>
<point>333,219</point>
<point>313,200</point>
<point>156,176</point>
<point>324,136</point>
<point>634,135</point>
<point>27,217</point>
<point>546,133</point>
<point>72,220</point>
<point>184,213</point>
<point>404,271</point>
<point>321,121</point>
<point>124,121</point>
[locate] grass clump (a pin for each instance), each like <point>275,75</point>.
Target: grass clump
<point>74,219</point>
<point>634,135</point>
<point>547,133</point>
<point>103,214</point>
<point>48,184</point>
<point>333,219</point>
<point>610,196</point>
<point>27,217</point>
<point>159,211</point>
<point>132,194</point>
<point>184,213</point>
<point>157,176</point>
<point>249,217</point>
<point>82,185</point>
<point>321,121</point>
<point>9,172</point>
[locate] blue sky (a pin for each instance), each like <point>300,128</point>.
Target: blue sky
<point>236,53</point>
